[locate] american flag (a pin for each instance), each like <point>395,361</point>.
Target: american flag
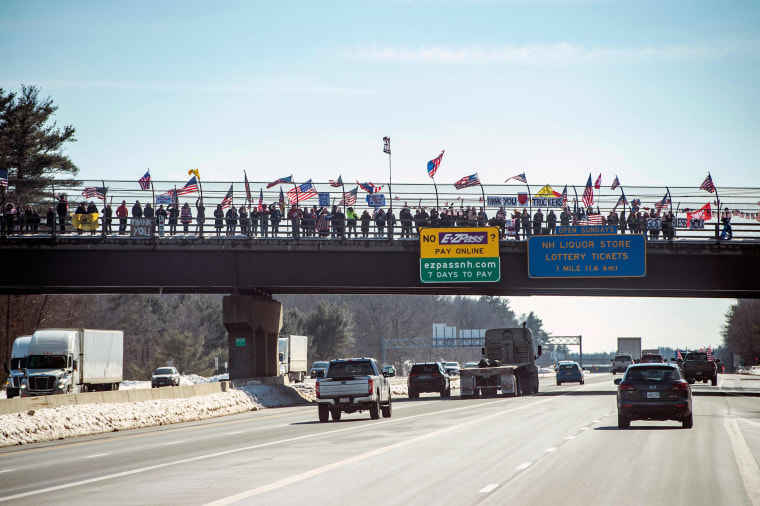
<point>588,193</point>
<point>261,200</point>
<point>302,193</point>
<point>4,178</point>
<point>95,191</point>
<point>622,200</point>
<point>519,177</point>
<point>349,198</point>
<point>710,355</point>
<point>190,187</point>
<point>591,219</point>
<point>432,165</point>
<point>678,354</point>
<point>145,181</point>
<point>288,179</point>
<point>281,202</point>
<point>564,196</point>
<point>707,184</point>
<point>665,202</point>
<point>369,187</point>
<point>467,181</point>
<point>598,183</point>
<point>248,196</point>
<point>337,183</point>
<point>227,200</point>
<point>615,183</point>
<point>387,145</point>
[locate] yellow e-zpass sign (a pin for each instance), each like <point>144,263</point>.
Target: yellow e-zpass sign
<point>439,245</point>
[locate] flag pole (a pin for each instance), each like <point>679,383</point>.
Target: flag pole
<point>717,221</point>
<point>390,177</point>
<point>437,205</point>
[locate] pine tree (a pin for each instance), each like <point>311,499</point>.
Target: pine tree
<point>31,146</point>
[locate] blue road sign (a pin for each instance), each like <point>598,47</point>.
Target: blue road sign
<point>587,256</point>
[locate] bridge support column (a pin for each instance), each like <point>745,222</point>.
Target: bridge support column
<point>253,325</point>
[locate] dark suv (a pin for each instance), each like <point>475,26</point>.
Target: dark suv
<point>428,377</point>
<point>654,392</point>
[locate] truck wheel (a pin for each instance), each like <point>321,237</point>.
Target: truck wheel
<point>714,380</point>
<point>374,410</point>
<point>324,413</point>
<point>388,410</point>
<point>559,382</point>
<point>335,412</point>
<point>688,422</point>
<point>623,422</point>
<point>413,394</point>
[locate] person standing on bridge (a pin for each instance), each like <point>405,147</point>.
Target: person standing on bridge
<point>728,232</point>
<point>380,223</point>
<point>264,221</point>
<point>62,208</point>
<point>551,222</point>
<point>137,210</point>
<point>525,223</point>
<point>149,212</point>
<point>538,222</point>
<point>232,218</point>
<point>294,215</point>
<point>200,217</point>
<point>173,213</point>
<point>161,219</point>
<point>365,219</point>
<point>245,223</point>
<point>218,219</point>
<point>186,218</point>
<point>122,213</point>
<point>351,218</point>
<point>107,219</point>
<point>275,216</point>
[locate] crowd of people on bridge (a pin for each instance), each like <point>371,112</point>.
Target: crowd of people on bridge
<point>323,222</point>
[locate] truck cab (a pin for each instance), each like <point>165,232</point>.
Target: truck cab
<point>52,363</point>
<point>19,354</point>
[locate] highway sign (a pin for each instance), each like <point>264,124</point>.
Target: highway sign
<point>459,255</point>
<point>586,256</point>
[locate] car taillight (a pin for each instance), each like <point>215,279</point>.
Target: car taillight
<point>626,387</point>
<point>413,375</point>
<point>681,385</point>
<point>370,386</point>
<point>317,388</point>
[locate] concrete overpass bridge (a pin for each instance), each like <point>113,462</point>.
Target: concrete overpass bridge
<point>253,271</point>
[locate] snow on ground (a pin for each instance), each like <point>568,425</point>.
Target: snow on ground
<point>87,419</point>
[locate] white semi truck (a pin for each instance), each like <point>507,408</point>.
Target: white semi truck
<point>630,346</point>
<point>19,353</point>
<point>65,361</point>
<point>292,357</point>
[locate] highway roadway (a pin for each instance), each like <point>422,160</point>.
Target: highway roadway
<point>561,446</point>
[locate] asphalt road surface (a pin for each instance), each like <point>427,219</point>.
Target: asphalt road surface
<point>561,446</point>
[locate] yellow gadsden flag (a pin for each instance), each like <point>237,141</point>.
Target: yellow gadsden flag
<point>546,191</point>
<point>85,221</point>
<point>194,172</point>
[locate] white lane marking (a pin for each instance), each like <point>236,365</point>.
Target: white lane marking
<point>488,488</point>
<point>95,456</point>
<point>236,432</point>
<point>358,458</point>
<point>257,446</point>
<point>594,421</point>
<point>584,428</point>
<point>524,465</point>
<point>748,468</point>
<point>172,443</point>
<point>549,450</point>
<point>6,471</point>
<point>570,437</point>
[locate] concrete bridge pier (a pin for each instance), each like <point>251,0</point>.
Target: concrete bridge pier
<point>253,325</point>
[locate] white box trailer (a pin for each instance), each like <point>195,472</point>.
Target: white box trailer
<point>72,361</point>
<point>292,357</point>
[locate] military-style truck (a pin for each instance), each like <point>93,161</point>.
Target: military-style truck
<point>508,366</point>
<point>696,365</point>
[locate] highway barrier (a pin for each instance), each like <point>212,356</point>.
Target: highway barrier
<point>23,404</point>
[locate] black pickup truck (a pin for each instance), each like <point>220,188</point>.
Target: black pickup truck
<point>695,365</point>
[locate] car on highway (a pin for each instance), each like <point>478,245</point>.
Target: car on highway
<point>389,371</point>
<point>652,358</point>
<point>470,364</point>
<point>318,369</point>
<point>621,362</point>
<point>165,377</point>
<point>654,392</point>
<point>452,368</point>
<point>428,377</point>
<point>569,372</point>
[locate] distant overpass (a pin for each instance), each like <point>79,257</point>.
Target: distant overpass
<point>73,264</point>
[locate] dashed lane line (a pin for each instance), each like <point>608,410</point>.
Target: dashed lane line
<point>489,488</point>
<point>524,465</point>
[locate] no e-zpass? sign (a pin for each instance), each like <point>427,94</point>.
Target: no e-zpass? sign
<point>459,255</point>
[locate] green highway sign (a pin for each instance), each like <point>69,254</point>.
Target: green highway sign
<point>460,270</point>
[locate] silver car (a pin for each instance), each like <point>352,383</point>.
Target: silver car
<point>165,377</point>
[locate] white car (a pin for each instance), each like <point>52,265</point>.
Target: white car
<point>165,377</point>
<point>452,368</point>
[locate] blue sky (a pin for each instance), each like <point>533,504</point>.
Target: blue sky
<point>656,92</point>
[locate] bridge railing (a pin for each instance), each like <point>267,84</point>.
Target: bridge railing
<point>743,205</point>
